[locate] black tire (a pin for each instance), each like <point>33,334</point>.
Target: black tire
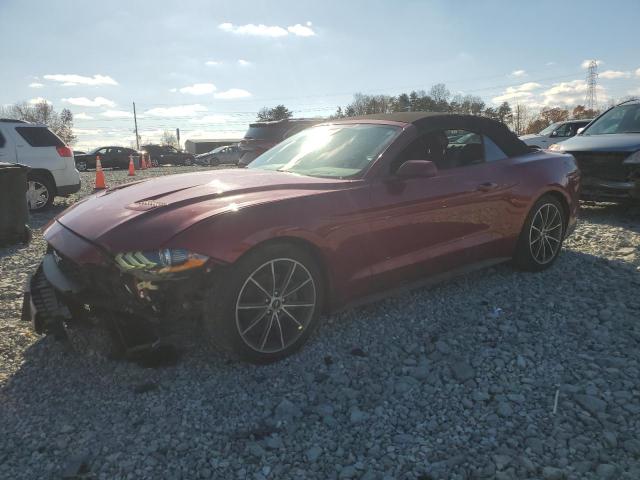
<point>81,165</point>
<point>188,161</point>
<point>221,318</point>
<point>528,255</point>
<point>37,180</point>
<point>214,162</point>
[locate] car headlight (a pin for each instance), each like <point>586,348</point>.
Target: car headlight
<point>166,260</point>
<point>633,159</point>
<point>556,147</point>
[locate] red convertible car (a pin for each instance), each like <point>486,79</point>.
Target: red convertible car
<point>336,214</point>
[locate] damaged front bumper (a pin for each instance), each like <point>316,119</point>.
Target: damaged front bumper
<point>140,313</point>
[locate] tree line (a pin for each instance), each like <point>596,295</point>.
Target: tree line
<point>520,118</point>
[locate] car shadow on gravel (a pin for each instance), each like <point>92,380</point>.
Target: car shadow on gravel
<point>626,214</point>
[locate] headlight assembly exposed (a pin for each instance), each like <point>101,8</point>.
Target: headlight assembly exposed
<point>166,260</point>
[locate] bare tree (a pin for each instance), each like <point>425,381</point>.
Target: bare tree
<point>42,112</point>
<point>169,138</point>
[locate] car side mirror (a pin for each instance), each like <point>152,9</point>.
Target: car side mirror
<point>417,168</point>
<point>580,130</point>
<point>554,134</point>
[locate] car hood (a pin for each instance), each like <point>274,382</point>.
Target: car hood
<point>529,136</point>
<point>619,142</point>
<point>147,214</point>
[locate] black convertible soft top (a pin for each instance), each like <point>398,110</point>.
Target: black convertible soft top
<point>427,122</point>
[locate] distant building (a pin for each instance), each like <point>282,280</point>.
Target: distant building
<point>199,146</point>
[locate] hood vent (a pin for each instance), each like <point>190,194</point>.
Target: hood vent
<point>146,205</point>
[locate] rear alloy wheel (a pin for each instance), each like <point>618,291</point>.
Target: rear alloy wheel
<point>40,192</point>
<point>271,305</point>
<point>542,235</point>
<point>188,162</point>
<point>81,166</point>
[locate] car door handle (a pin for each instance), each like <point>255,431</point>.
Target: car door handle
<point>487,186</point>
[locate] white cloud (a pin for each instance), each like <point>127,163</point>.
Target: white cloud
<point>82,116</point>
<point>87,102</point>
<point>585,63</point>
<point>73,79</point>
<point>36,85</point>
<point>519,92</point>
<point>519,73</point>
<point>251,29</point>
<point>117,114</point>
<point>177,111</point>
<point>212,63</point>
<point>268,30</point>
<point>211,119</point>
<point>301,30</point>
<point>232,94</point>
<point>36,100</point>
<point>638,72</point>
<point>612,74</point>
<point>86,131</point>
<point>199,89</point>
<point>550,64</point>
<point>570,93</point>
<point>244,63</point>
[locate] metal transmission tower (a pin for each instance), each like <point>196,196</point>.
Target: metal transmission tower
<point>591,98</point>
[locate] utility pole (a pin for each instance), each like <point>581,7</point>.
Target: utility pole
<point>178,137</point>
<point>135,122</point>
<point>591,98</point>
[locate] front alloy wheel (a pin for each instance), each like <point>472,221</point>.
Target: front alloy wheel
<point>267,304</point>
<point>275,305</point>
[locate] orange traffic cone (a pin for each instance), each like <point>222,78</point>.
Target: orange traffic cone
<point>143,165</point>
<point>148,160</point>
<point>132,169</point>
<point>100,183</point>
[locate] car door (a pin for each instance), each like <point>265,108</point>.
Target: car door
<point>426,226</point>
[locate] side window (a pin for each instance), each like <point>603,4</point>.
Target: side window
<point>39,137</point>
<point>492,152</point>
<point>464,148</point>
<point>2,140</point>
<point>102,151</point>
<point>564,130</point>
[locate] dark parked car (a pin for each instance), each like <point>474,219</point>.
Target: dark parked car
<point>110,157</point>
<point>608,154</point>
<point>220,155</point>
<point>261,136</point>
<point>166,154</point>
<point>335,214</point>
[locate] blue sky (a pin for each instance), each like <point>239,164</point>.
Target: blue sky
<point>208,66</point>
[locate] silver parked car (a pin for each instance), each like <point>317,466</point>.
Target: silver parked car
<point>220,155</point>
<point>555,133</point>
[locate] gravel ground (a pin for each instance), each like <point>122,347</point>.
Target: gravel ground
<point>498,374</point>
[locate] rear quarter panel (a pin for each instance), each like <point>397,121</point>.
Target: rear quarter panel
<point>538,173</point>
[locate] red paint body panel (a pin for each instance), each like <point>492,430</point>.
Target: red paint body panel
<point>371,233</point>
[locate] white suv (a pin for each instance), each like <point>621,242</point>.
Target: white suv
<point>53,170</point>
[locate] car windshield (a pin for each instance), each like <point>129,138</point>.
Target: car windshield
<point>549,129</point>
<point>333,151</point>
<point>621,119</point>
